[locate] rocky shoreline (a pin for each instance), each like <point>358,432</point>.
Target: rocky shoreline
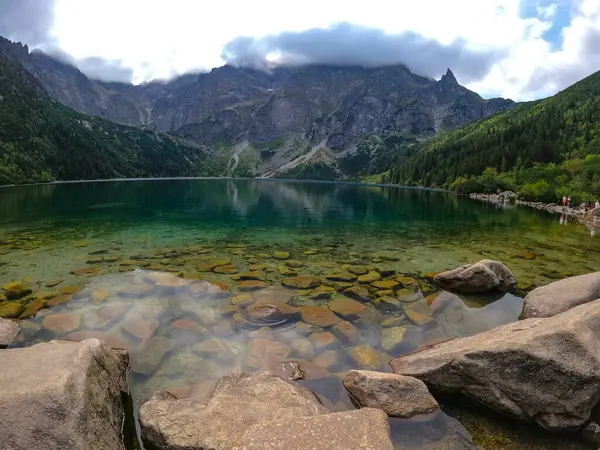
<point>511,197</point>
<point>77,400</point>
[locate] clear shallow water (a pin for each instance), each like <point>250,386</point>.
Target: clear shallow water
<point>134,262</point>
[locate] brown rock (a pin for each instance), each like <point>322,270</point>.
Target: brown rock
<point>482,276</point>
<point>358,293</point>
<point>366,357</point>
<point>388,304</point>
<point>86,271</point>
<point>188,326</point>
<point>346,332</point>
<point>264,351</point>
<point>59,300</point>
<point>416,317</point>
<point>281,255</point>
<point>252,285</point>
<point>396,395</point>
<point>8,331</point>
<point>294,264</point>
<point>323,339</point>
<point>366,428</point>
<point>327,359</point>
<point>358,270</point>
<point>342,277</point>
<point>391,337</point>
<point>62,323</point>
<point>62,395</point>
<point>149,354</point>
<point>303,348</point>
<point>319,316</point>
<point>11,309</point>
<point>370,277</point>
<point>257,275</point>
<point>213,349</point>
<point>345,307</point>
<point>322,292</point>
<point>305,282</point>
<point>408,282</point>
<point>140,328</point>
<point>15,290</point>
<point>269,313</point>
<point>384,284</point>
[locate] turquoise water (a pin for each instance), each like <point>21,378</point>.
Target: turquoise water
<point>153,266</point>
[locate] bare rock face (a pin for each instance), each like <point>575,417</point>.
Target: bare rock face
<point>238,401</point>
<point>362,429</point>
<point>557,297</point>
<point>62,394</point>
<point>396,395</point>
<point>485,275</point>
<point>545,371</point>
<point>8,331</point>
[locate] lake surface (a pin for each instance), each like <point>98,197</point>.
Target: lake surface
<point>199,277</point>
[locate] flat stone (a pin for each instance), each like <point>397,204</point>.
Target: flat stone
<point>252,285</point>
<point>303,348</point>
<point>389,304</point>
<point>286,271</point>
<point>541,370</point>
<point>80,244</point>
<point>32,308</point>
<point>87,271</point>
<point>396,395</point>
<point>11,309</point>
<point>104,316</point>
<point>70,290</point>
<point>62,395</point>
<point>94,260</point>
<point>264,351</point>
<point>16,290</point>
<point>391,337</point>
<point>52,283</point>
<point>139,327</point>
<point>8,331</point>
<point>281,255</point>
<point>386,271</point>
<point>482,276</point>
<point>321,293</point>
<point>62,323</point>
<point>304,282</point>
<point>323,340</point>
<point>341,286</point>
<point>269,313</point>
<point>384,284</point>
<point>242,300</point>
<point>347,308</point>
<point>294,263</point>
<point>341,276</point>
<point>318,316</point>
<point>408,282</point>
<point>416,317</point>
<point>346,332</point>
<point>189,326</point>
<point>59,300</point>
<point>562,295</point>
<point>366,357</point>
<point>387,256</point>
<point>228,269</point>
<point>358,293</point>
<point>370,277</point>
<point>148,355</point>
<point>237,402</point>
<point>407,296</point>
<point>258,275</point>
<point>327,359</point>
<point>213,349</point>
<point>358,270</point>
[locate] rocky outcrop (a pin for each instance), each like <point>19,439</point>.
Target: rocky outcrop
<point>545,371</point>
<point>366,428</point>
<point>396,395</point>
<point>62,394</point>
<point>485,275</point>
<point>238,401</point>
<point>8,331</point>
<point>257,411</point>
<point>557,297</point>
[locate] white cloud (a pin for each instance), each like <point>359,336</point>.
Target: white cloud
<point>159,39</point>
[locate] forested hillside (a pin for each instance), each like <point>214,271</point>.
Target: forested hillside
<point>42,140</point>
<point>542,149</point>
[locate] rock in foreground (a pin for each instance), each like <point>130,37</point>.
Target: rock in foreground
<point>545,371</point>
<point>364,429</point>
<point>238,401</point>
<point>8,331</point>
<point>557,297</point>
<point>62,394</point>
<point>485,275</point>
<point>396,395</point>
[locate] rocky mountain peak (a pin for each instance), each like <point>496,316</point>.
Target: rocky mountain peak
<point>448,78</point>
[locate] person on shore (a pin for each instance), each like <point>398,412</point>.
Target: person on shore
<point>597,205</point>
<point>589,206</point>
<point>564,201</point>
<point>569,202</point>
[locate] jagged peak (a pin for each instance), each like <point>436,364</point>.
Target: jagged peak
<point>449,77</point>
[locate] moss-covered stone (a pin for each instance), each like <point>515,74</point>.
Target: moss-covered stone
<point>10,309</point>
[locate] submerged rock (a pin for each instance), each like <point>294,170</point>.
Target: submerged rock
<point>396,395</point>
<point>11,309</point>
<point>73,403</point>
<point>150,353</point>
<point>366,428</point>
<point>16,290</point>
<point>262,352</point>
<point>545,371</point>
<point>269,313</point>
<point>366,357</point>
<point>304,282</point>
<point>348,308</point>
<point>485,275</point>
<point>557,297</point>
<point>8,331</point>
<point>62,323</point>
<point>358,293</point>
<point>319,316</point>
<point>237,402</point>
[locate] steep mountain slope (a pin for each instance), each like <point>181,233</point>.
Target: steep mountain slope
<point>555,141</point>
<point>280,121</point>
<point>42,140</point>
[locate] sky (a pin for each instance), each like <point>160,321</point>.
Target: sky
<point>519,49</point>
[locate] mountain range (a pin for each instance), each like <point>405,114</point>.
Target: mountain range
<point>312,121</point>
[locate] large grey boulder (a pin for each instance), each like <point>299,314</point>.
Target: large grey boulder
<point>396,395</point>
<point>62,395</point>
<point>557,297</point>
<point>8,331</point>
<point>545,371</point>
<point>237,402</point>
<point>364,429</point>
<point>485,275</point>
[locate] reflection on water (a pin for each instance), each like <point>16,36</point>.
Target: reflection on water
<point>190,276</point>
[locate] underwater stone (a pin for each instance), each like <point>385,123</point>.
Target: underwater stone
<point>358,293</point>
<point>318,316</point>
<point>366,357</point>
<point>345,307</point>
<point>62,323</point>
<point>305,282</point>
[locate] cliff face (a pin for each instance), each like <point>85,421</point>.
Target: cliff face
<point>324,107</point>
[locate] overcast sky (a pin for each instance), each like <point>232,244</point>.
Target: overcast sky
<point>522,49</point>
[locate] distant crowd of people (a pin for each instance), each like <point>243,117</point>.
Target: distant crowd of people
<point>568,202</point>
